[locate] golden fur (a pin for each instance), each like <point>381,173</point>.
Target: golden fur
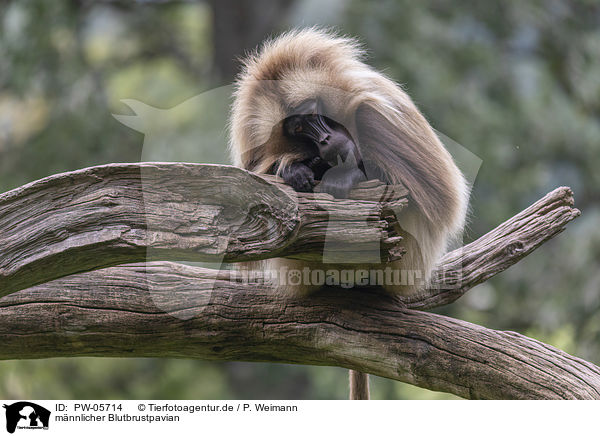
<point>391,133</point>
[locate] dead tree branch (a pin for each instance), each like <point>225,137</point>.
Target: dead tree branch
<point>56,229</point>
<point>173,310</point>
<point>466,267</point>
<point>122,213</point>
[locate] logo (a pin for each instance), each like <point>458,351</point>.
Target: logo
<point>26,415</point>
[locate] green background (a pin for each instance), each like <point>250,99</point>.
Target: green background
<point>516,83</point>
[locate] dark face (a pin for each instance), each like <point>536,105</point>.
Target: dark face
<point>331,139</point>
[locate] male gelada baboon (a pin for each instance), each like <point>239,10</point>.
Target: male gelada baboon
<point>307,108</point>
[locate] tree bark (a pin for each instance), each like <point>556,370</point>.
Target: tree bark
<point>461,269</point>
<point>114,214</point>
<point>122,213</point>
<point>173,310</point>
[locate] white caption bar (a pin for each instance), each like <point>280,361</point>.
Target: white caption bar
<point>24,417</point>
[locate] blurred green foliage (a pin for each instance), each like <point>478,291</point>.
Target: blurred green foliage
<point>516,83</point>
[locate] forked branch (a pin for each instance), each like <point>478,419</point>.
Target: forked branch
<point>116,214</point>
<point>173,310</point>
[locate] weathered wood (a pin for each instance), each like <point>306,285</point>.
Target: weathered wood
<point>122,213</point>
<point>468,266</point>
<point>115,214</point>
<point>123,314</point>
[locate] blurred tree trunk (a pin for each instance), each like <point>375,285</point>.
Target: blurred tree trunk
<point>238,26</point>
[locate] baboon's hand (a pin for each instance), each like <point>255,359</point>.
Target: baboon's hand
<point>338,181</point>
<point>299,176</point>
